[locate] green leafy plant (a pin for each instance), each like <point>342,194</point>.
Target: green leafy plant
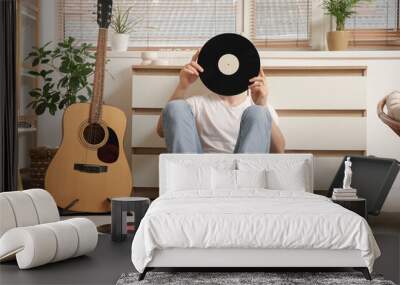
<point>64,72</point>
<point>121,23</point>
<point>341,10</point>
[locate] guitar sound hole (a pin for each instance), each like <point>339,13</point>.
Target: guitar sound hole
<point>94,134</point>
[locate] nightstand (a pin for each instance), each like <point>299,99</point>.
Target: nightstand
<point>358,206</point>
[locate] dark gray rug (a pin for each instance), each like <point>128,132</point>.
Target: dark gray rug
<point>243,278</point>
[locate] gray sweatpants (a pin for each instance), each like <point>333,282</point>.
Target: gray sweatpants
<point>181,134</point>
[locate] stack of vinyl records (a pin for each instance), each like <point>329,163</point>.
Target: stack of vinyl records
<point>344,194</point>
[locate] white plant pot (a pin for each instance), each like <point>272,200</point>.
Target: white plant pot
<point>159,61</point>
<point>148,57</point>
<point>119,42</point>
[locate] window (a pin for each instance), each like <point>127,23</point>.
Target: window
<point>182,22</point>
<point>77,19</point>
<point>163,23</point>
<point>375,23</point>
<point>268,23</point>
<point>281,23</point>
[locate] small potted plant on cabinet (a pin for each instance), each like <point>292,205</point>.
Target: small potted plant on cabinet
<point>122,25</point>
<point>341,10</point>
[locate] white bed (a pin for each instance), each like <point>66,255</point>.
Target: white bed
<point>247,210</point>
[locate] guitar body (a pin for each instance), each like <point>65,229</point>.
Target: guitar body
<point>90,164</point>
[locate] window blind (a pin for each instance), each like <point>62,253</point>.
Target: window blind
<point>78,20</point>
<point>281,22</point>
<point>375,23</point>
<point>163,23</point>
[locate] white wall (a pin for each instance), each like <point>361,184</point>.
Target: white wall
<point>49,132</point>
<point>383,77</point>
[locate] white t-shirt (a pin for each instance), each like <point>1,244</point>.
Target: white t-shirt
<point>217,123</point>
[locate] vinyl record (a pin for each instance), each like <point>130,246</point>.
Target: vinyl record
<point>229,62</point>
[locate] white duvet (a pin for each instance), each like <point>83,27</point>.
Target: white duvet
<point>250,219</point>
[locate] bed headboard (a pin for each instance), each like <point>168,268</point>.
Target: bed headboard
<point>230,161</point>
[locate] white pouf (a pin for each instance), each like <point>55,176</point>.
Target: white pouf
<point>23,209</point>
<point>45,205</point>
<point>393,105</point>
<point>41,244</point>
<point>7,218</point>
<point>87,235</point>
<point>26,208</point>
<point>31,232</point>
<point>32,246</point>
<point>65,236</point>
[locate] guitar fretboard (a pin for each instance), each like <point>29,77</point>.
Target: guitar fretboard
<point>98,84</point>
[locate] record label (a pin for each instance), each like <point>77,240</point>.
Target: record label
<point>229,62</point>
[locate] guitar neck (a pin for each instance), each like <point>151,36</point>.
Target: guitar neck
<point>98,84</point>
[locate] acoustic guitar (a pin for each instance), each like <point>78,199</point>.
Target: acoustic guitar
<point>90,166</point>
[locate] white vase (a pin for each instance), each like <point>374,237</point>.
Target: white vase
<point>159,61</point>
<point>119,42</point>
<point>148,57</point>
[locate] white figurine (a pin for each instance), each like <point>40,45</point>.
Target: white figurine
<point>347,174</point>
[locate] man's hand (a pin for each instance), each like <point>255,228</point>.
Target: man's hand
<point>258,89</point>
<point>190,72</point>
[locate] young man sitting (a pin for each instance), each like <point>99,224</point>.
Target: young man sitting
<point>220,124</point>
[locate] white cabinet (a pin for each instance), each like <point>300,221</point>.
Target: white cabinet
<point>322,110</point>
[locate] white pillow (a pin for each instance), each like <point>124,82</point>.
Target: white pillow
<point>224,179</point>
<point>251,178</point>
<point>282,174</point>
<point>292,179</point>
<point>183,178</point>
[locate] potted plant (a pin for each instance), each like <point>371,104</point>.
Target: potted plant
<point>341,10</point>
<point>122,25</point>
<point>64,71</point>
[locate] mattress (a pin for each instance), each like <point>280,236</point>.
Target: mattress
<point>250,219</point>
